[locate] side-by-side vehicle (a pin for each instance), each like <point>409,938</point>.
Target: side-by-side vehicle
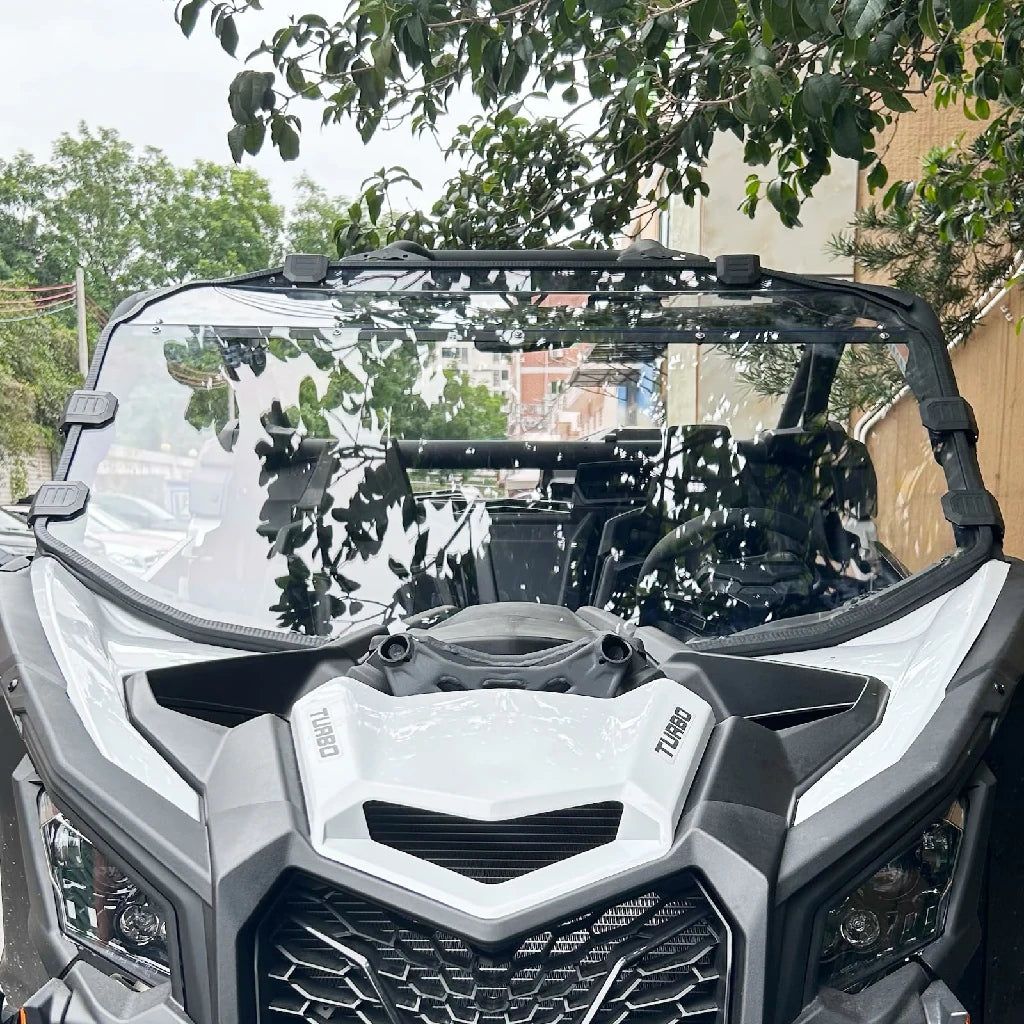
<point>536,637</point>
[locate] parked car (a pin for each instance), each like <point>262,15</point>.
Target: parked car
<point>15,536</point>
<point>688,731</point>
<point>136,511</point>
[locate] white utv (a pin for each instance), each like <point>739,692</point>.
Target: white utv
<point>468,638</point>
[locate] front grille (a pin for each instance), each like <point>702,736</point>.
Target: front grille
<point>493,851</point>
<point>329,957</point>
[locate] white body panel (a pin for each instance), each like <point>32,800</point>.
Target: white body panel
<point>96,644</point>
<point>915,657</point>
<point>493,755</point>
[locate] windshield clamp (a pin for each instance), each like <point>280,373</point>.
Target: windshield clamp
<point>742,269</point>
<point>59,499</point>
<point>972,508</point>
<point>402,251</point>
<point>87,408</point>
<point>306,268</point>
<point>949,415</point>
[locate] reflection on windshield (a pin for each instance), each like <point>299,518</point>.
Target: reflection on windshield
<point>315,478</point>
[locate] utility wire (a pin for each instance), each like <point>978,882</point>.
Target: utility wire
<point>36,316</point>
<point>20,303</point>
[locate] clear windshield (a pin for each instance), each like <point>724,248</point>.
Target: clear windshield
<point>315,460</point>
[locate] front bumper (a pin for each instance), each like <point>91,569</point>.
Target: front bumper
<point>87,996</point>
<point>908,996</point>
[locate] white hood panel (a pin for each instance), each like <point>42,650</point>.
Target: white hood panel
<point>491,755</point>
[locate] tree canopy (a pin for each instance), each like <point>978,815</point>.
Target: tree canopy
<point>134,220</point>
<point>38,368</point>
<point>641,90</point>
<point>130,217</point>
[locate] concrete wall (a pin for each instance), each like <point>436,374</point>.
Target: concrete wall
<point>715,225</point>
<point>38,469</point>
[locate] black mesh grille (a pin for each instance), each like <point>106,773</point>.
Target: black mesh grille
<point>493,851</point>
<point>329,957</point>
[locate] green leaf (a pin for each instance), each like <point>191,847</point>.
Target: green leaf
<point>929,23</point>
<point>236,142</point>
<point>820,93</point>
<point>381,50</point>
<point>778,16</point>
<point>282,40</point>
<point>228,35</point>
<point>963,12</point>
<point>897,102</point>
<point>249,93</point>
<point>1013,80</point>
<point>255,132</point>
<point>475,47</point>
<point>188,14</point>
<point>336,59</point>
<point>846,140</point>
<point>284,137</point>
<point>877,177</point>
<point>294,77</point>
<point>599,86</point>
<point>605,8</point>
<point>905,193</point>
<point>765,85</point>
<point>705,16</point>
<point>883,45</point>
<point>374,203</point>
<point>861,17</point>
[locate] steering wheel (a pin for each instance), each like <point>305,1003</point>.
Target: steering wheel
<point>685,543</point>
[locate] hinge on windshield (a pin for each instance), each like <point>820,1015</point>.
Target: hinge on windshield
<point>59,499</point>
<point>86,408</point>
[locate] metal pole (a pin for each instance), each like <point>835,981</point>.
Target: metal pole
<point>83,341</point>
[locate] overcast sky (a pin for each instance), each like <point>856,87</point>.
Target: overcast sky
<point>124,64</point>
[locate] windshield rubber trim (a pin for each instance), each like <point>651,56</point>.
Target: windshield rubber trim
<point>976,545</point>
<point>806,632</point>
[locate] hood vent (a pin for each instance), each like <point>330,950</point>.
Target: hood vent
<point>493,851</point>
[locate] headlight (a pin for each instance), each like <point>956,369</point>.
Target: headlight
<point>899,909</point>
<point>99,906</point>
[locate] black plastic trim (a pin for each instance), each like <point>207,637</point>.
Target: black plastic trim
<point>945,415</point>
<point>306,268</point>
<point>739,269</point>
<point>972,508</point>
<point>87,408</point>
<point>59,499</point>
